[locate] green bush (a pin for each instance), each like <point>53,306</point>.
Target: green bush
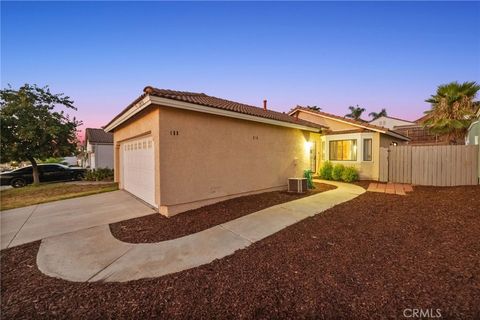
<point>101,174</point>
<point>325,171</point>
<point>350,174</point>
<point>337,172</point>
<point>309,175</point>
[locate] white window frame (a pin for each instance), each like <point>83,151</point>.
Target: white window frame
<point>363,149</point>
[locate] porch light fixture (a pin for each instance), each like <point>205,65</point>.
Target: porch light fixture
<point>308,145</point>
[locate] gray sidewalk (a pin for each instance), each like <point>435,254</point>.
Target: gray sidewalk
<point>95,255</point>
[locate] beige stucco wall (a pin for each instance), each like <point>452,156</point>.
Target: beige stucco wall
<point>368,170</point>
<point>214,158</point>
<point>333,125</point>
<point>145,123</point>
<point>390,123</point>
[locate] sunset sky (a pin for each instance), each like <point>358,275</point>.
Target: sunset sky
<point>376,54</point>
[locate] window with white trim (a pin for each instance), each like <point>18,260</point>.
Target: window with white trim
<point>367,149</point>
<point>343,150</point>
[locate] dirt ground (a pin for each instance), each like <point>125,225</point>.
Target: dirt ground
<point>369,258</point>
<point>156,227</point>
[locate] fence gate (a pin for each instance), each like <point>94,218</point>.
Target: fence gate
<point>430,165</point>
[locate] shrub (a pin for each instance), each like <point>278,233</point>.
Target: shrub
<point>309,175</point>
<point>101,174</point>
<point>337,172</point>
<point>325,171</point>
<point>350,174</point>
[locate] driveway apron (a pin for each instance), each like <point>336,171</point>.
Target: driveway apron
<point>32,223</point>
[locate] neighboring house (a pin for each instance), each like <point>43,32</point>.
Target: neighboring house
<point>70,161</point>
<point>99,149</point>
<point>420,135</point>
<point>390,122</point>
<point>181,150</point>
<point>351,142</point>
<point>473,136</point>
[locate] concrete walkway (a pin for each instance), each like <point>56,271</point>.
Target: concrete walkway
<point>95,255</point>
<point>32,223</point>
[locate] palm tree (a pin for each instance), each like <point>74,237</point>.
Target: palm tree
<point>314,108</point>
<point>453,109</point>
<point>355,112</point>
<point>376,115</point>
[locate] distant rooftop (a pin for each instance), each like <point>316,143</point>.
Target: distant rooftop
<point>95,135</point>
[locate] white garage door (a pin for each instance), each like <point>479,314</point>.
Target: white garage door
<point>138,168</point>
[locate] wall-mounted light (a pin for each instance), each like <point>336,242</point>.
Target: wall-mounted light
<point>308,145</point>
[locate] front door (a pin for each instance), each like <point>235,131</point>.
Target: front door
<point>313,157</point>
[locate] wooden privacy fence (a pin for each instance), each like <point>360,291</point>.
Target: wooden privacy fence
<point>430,165</point>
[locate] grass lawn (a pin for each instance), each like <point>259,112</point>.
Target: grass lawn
<point>368,258</point>
<point>29,195</point>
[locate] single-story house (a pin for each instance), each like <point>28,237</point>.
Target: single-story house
<point>351,142</point>
<point>70,161</point>
<point>99,149</point>
<point>473,135</point>
<point>390,122</point>
<point>420,135</point>
<point>180,150</point>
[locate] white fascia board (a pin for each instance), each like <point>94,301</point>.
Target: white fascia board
<point>396,135</point>
<point>133,110</point>
<point>199,108</point>
<point>335,119</point>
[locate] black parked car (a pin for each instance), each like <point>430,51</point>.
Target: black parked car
<point>48,172</point>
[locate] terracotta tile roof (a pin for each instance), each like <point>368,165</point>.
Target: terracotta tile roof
<point>94,135</point>
<point>218,103</point>
<point>352,121</point>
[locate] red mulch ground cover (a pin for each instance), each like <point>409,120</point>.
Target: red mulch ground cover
<point>369,258</point>
<point>156,227</point>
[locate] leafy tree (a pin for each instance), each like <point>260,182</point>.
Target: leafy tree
<point>314,108</point>
<point>31,128</point>
<point>453,109</point>
<point>355,112</point>
<point>376,115</point>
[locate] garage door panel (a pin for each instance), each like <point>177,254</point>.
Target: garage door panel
<point>138,168</point>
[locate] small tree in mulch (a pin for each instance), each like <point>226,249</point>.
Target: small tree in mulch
<point>32,129</point>
<point>309,175</point>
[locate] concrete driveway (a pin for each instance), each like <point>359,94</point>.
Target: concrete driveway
<point>32,223</point>
<point>95,255</point>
